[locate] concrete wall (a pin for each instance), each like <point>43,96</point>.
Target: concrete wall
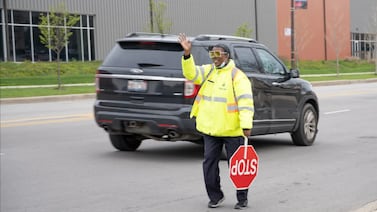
<point>362,12</point>
<point>268,23</point>
<point>116,18</point>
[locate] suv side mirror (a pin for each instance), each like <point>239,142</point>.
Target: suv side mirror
<point>294,73</point>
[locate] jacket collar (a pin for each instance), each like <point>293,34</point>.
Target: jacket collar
<point>228,66</point>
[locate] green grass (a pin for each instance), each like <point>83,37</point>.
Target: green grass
<point>329,67</point>
<point>46,80</point>
<point>348,77</point>
<point>44,73</point>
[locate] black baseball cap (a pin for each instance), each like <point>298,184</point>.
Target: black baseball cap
<point>223,46</point>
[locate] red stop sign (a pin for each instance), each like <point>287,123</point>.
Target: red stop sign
<point>243,167</point>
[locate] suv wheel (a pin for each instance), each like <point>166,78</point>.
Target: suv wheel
<point>307,129</point>
<point>125,142</point>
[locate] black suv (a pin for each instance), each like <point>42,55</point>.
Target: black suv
<point>141,91</point>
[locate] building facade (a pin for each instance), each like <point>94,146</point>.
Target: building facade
<point>103,22</point>
<point>322,30</point>
<point>363,28</point>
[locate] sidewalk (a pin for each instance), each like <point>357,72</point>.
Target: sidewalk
<point>370,207</point>
<point>93,95</point>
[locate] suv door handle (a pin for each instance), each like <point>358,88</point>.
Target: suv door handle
<point>136,97</point>
<point>276,84</point>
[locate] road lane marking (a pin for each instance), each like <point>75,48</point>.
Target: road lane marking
<point>337,111</point>
<point>45,120</point>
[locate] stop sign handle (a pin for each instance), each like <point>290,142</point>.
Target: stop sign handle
<point>245,143</point>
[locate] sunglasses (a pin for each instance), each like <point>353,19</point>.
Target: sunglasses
<point>213,54</point>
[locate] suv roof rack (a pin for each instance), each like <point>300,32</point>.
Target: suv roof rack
<point>138,34</point>
<point>204,37</point>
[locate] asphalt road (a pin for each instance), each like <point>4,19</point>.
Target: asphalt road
<point>54,158</point>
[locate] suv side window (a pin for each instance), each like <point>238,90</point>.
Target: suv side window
<point>270,64</point>
<point>245,59</point>
<point>200,54</point>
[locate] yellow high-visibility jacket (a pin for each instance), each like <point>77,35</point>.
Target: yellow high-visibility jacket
<point>224,105</point>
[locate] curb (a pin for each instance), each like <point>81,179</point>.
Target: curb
<point>93,95</point>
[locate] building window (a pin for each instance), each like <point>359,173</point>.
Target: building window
<point>24,43</point>
<point>21,17</point>
<point>40,52</point>
<point>363,45</point>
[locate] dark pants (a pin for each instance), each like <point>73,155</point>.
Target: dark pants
<point>212,152</point>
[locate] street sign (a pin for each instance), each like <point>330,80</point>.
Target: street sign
<point>243,166</point>
<point>301,4</point>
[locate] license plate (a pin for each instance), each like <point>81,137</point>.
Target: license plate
<point>137,85</point>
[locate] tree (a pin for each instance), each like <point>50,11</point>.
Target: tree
<point>244,31</point>
<point>158,22</point>
<point>373,28</point>
<point>56,29</point>
<point>335,36</point>
<point>302,39</point>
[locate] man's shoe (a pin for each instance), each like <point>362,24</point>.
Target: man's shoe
<point>241,205</point>
<point>215,204</point>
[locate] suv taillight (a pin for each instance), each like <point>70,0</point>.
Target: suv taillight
<point>190,89</point>
<point>97,82</point>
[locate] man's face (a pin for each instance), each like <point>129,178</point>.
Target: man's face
<point>218,56</point>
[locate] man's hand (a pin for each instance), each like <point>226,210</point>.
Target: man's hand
<point>247,132</point>
<point>185,43</point>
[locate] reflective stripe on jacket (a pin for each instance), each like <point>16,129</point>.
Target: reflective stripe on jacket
<point>224,105</point>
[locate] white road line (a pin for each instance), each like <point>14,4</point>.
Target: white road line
<point>337,111</point>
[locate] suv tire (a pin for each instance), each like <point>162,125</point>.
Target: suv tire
<point>307,129</point>
<point>125,142</point>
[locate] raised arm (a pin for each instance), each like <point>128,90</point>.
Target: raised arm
<point>185,43</point>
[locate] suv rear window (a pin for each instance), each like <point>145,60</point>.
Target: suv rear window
<point>157,55</point>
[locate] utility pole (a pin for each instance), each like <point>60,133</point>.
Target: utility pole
<point>375,48</point>
<point>151,14</point>
<point>256,19</point>
<point>293,48</point>
<point>374,27</point>
<point>324,28</point>
<point>7,53</point>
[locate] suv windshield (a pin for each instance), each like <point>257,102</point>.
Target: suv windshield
<point>157,55</point>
